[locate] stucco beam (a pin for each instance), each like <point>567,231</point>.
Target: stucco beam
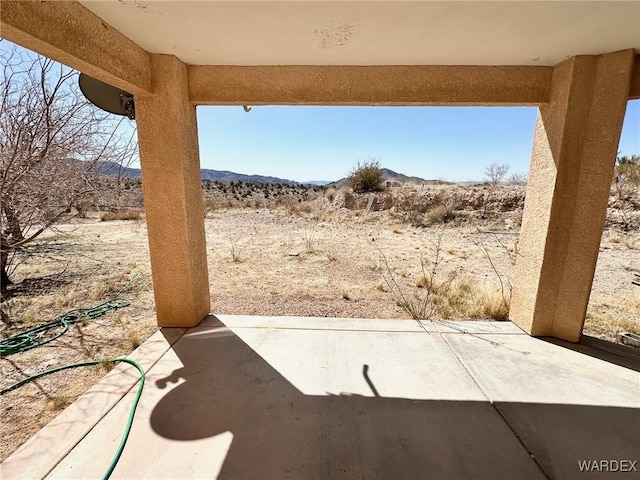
<point>369,85</point>
<point>69,33</point>
<point>634,90</point>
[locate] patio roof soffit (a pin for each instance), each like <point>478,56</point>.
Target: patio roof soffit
<point>72,34</point>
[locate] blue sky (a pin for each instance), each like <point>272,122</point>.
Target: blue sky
<point>324,143</point>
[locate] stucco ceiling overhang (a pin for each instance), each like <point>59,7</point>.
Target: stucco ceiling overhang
<point>375,33</point>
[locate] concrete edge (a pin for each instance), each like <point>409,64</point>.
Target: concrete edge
<point>286,322</point>
<point>478,327</point>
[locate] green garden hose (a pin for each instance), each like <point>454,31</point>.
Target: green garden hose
<point>132,411</point>
<point>38,336</point>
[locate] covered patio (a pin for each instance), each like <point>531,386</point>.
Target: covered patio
<point>577,61</point>
<point>286,397</point>
<point>277,397</point>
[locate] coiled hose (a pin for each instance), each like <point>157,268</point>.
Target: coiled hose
<point>38,336</point>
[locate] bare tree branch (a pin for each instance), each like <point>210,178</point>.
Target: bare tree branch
<point>54,148</point>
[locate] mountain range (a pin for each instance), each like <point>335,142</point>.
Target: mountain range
<point>109,168</point>
<point>112,169</point>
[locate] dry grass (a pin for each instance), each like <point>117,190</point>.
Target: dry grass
<point>447,297</point>
<point>58,403</point>
<point>437,214</point>
<point>330,194</point>
<point>36,309</point>
<point>490,304</point>
<point>608,315</point>
<point>462,300</point>
<point>134,339</point>
<point>331,254</point>
<point>604,323</point>
<point>235,246</point>
<point>121,215</point>
<point>72,276</point>
<point>309,240</point>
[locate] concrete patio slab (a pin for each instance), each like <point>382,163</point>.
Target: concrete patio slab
<point>519,368</point>
<point>566,407</point>
<point>278,398</point>
<point>415,366</point>
<point>230,403</point>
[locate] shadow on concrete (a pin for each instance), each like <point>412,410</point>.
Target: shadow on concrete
<point>279,432</point>
<point>621,355</point>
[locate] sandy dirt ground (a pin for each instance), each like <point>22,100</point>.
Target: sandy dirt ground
<point>327,263</point>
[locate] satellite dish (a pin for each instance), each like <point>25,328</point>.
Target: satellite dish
<point>107,97</point>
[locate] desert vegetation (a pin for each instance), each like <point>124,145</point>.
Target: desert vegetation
<point>420,251</point>
<point>367,176</point>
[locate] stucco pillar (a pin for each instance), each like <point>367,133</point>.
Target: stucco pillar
<point>574,151</point>
<point>168,142</point>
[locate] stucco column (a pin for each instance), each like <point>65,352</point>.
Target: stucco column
<point>574,151</point>
<point>168,142</point>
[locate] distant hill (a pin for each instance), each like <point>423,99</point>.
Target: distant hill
<point>228,177</point>
<point>224,176</point>
<point>112,169</point>
<point>320,183</point>
<point>391,176</point>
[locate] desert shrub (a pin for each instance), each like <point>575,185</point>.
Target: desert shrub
<point>627,174</point>
<point>626,185</point>
<point>423,304</point>
<point>411,206</point>
<point>517,179</point>
<point>494,175</point>
<point>309,239</point>
<point>438,214</point>
<point>386,203</point>
<point>349,200</point>
<point>305,207</point>
<point>424,209</point>
<point>289,202</point>
<point>330,194</point>
<point>448,296</point>
<point>122,215</point>
<point>213,202</point>
<point>367,176</point>
<point>235,246</point>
